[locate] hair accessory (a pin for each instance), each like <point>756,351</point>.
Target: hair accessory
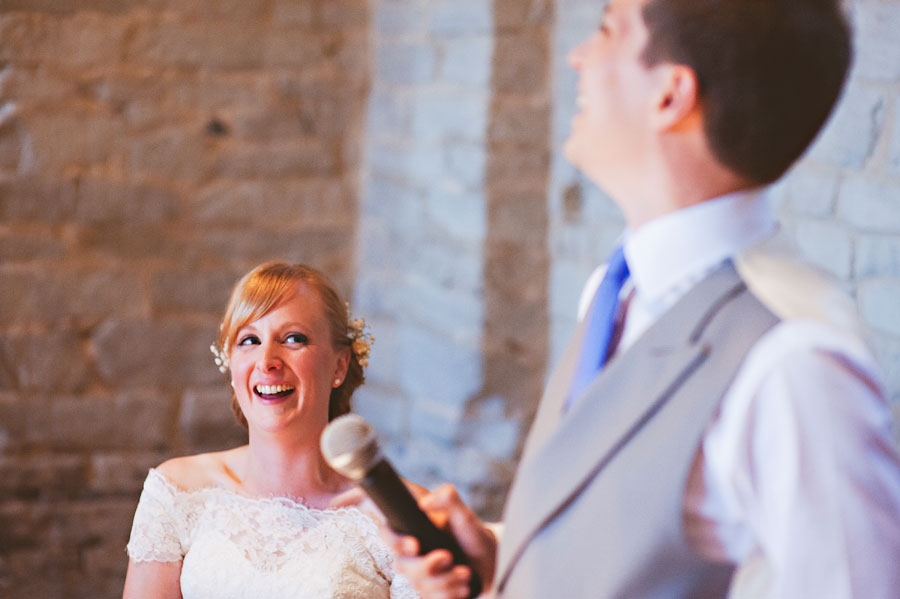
<point>220,358</point>
<point>361,340</point>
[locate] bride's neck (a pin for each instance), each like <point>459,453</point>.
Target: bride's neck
<point>297,471</point>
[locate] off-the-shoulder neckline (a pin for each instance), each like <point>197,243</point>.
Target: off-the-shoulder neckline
<point>291,502</point>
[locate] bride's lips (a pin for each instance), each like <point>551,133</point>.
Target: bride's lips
<point>273,392</point>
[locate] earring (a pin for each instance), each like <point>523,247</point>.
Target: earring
<point>337,382</point>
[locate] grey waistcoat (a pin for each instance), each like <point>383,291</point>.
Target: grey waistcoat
<point>596,507</point>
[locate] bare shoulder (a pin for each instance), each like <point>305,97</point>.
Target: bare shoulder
<point>214,469</point>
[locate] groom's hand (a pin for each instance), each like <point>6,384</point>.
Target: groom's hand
<point>433,574</point>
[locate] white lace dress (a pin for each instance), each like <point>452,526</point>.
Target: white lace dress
<point>234,546</point>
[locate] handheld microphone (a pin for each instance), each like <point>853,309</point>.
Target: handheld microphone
<point>350,447</point>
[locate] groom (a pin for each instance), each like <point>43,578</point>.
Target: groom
<point>716,424</point>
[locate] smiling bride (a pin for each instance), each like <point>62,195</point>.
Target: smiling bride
<point>255,521</point>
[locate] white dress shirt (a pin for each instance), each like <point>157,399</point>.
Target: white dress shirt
<point>796,480</point>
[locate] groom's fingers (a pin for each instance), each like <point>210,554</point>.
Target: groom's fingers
<point>476,540</point>
<point>433,574</point>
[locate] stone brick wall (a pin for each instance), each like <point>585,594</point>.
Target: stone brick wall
<point>841,203</point>
<point>150,153</point>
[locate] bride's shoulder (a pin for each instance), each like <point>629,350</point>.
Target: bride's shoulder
<point>200,471</point>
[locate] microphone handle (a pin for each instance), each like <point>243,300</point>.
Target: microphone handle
<point>406,517</point>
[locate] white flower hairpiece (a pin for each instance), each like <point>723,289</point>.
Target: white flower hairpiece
<point>220,358</point>
<point>361,343</point>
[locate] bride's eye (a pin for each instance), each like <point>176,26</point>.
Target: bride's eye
<point>299,338</point>
<point>248,340</point>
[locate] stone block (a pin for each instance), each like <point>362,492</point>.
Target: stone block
<point>870,204</point>
<point>518,14</point>
<point>394,202</point>
<point>231,10</point>
<point>449,268</point>
<point>343,14</point>
<point>296,48</point>
<point>132,202</point>
<point>51,362</point>
<point>518,217</point>
<point>70,139</point>
<point>138,420</point>
<point>19,245</point>
<point>462,216</point>
<point>877,256</point>
<point>521,63</point>
<point>165,352</point>
<point>812,192</point>
<point>405,161</point>
<point>458,317</point>
<point>268,123</point>
<point>404,63</point>
<point>206,44</point>
<point>496,438</point>
<point>471,466</point>
<point>10,139</point>
<point>389,115</point>
<point>894,152</point>
<point>20,83</point>
<point>513,165</point>
<point>377,256</point>
<point>176,291</point>
<point>329,249</point>
<point>135,242</point>
<point>445,117</point>
<point>460,18</point>
<point>211,90</point>
<point>206,421</point>
<point>828,245</point>
<point>91,530</point>
<point>468,61</point>
<point>437,421</point>
<point>48,297</point>
<point>439,373</point>
<point>878,303</point>
<point>249,202</point>
<point>520,120</point>
<point>171,154</point>
<point>877,55</point>
<point>400,19</point>
<point>117,473</point>
<point>42,477</point>
<point>54,7</point>
<point>273,160</point>
<point>384,408</point>
<point>293,13</point>
<point>850,135</point>
<point>465,165</point>
<point>80,40</point>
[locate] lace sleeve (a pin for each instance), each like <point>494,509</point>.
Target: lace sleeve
<point>155,531</point>
<point>384,560</point>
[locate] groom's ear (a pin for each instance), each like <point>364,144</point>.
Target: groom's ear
<point>677,105</point>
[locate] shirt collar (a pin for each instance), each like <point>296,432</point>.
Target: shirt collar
<point>686,243</point>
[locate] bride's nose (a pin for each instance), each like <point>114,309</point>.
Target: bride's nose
<point>269,361</point>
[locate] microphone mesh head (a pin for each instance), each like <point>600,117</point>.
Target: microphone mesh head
<point>350,446</point>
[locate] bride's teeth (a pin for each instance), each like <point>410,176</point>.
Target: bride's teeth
<point>272,389</point>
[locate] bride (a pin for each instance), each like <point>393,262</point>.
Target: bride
<point>255,521</point>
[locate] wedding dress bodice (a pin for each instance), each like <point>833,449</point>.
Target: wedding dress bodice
<point>234,546</point>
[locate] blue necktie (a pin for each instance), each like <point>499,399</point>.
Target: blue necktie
<point>599,328</point>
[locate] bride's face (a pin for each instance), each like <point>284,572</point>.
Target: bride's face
<point>283,366</point>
